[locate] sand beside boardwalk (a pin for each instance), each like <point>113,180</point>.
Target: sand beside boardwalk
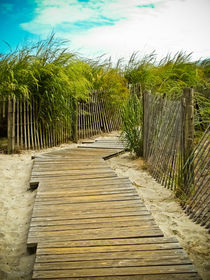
<point>16,204</point>
<point>15,210</point>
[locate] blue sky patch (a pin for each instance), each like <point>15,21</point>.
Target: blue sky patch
<point>12,14</point>
<point>91,24</point>
<point>147,6</point>
<point>99,25</point>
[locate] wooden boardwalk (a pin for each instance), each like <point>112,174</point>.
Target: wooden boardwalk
<point>90,224</point>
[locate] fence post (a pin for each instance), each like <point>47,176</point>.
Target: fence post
<point>13,123</point>
<point>74,120</point>
<point>9,126</point>
<point>145,122</point>
<point>188,134</point>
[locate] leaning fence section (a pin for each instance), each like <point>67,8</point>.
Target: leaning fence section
<point>162,139</point>
<point>168,132</point>
<point>95,116</point>
<point>196,192</point>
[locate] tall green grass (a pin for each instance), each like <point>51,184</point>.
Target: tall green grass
<point>48,73</point>
<point>169,76</point>
<point>132,118</point>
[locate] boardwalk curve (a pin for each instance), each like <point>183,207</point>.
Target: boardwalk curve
<point>88,223</point>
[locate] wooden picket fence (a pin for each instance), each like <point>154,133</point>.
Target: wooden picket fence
<point>162,145</point>
<point>196,192</point>
<point>27,131</point>
<point>168,132</point>
<point>23,129</point>
<point>168,136</point>
<point>95,117</point>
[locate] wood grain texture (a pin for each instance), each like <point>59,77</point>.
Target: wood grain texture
<point>88,223</point>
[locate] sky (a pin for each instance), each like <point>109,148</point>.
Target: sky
<point>116,28</point>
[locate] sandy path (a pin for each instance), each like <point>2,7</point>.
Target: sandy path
<point>16,204</point>
<point>166,211</point>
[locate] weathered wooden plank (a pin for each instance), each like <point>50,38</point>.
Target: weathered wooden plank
<point>102,146</point>
<point>75,190</point>
<point>135,231</point>
<point>109,255</point>
<point>112,242</point>
<point>85,192</point>
<point>97,182</point>
<point>114,271</point>
<point>85,204</point>
<point>66,157</point>
<point>84,151</point>
<point>94,206</point>
<point>64,167</point>
<point>90,186</point>
<point>81,215</point>
<point>88,213</point>
<point>74,177</point>
<point>146,233</point>
<point>174,276</point>
<point>108,144</point>
<point>91,201</point>
<point>86,199</point>
<point>154,258</point>
<point>55,172</point>
<point>124,219</point>
<point>43,173</point>
<point>96,225</point>
<point>166,249</point>
<point>75,193</point>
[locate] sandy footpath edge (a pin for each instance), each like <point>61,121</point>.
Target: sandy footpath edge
<point>16,205</point>
<point>15,210</point>
<point>166,211</point>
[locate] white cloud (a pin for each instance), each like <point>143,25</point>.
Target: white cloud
<point>51,13</point>
<point>172,26</point>
<point>177,26</point>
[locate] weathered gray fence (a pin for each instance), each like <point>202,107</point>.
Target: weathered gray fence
<point>95,117</point>
<point>162,139</point>
<point>168,132</point>
<point>25,130</point>
<point>196,192</point>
